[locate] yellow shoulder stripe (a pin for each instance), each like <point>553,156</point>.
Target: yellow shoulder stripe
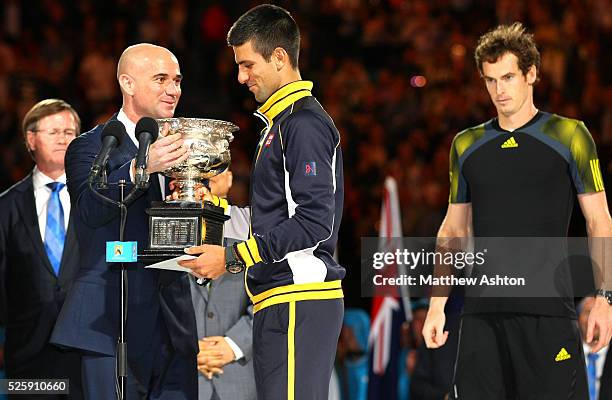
<point>596,171</point>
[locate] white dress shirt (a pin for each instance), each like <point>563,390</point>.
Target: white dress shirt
<point>42,194</point>
<point>130,128</point>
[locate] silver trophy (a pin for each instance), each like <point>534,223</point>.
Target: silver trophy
<point>176,224</point>
<point>208,141</point>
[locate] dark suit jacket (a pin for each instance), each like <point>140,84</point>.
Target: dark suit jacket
<point>90,317</point>
<point>31,295</point>
<point>605,381</point>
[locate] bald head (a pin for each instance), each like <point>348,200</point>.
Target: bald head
<point>150,79</point>
<point>135,57</point>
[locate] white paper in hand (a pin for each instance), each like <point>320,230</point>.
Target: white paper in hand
<point>172,264</point>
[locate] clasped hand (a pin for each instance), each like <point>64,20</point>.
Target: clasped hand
<point>214,354</point>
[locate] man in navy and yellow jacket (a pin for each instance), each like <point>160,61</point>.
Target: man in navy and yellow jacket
<point>296,207</point>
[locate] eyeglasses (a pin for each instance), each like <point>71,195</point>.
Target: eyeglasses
<point>56,133</point>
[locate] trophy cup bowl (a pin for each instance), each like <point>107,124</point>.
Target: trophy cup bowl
<point>176,224</point>
<point>208,141</point>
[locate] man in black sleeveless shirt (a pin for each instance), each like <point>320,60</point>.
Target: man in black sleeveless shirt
<point>517,176</point>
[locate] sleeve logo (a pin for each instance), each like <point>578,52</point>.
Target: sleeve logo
<point>269,139</point>
<point>310,168</point>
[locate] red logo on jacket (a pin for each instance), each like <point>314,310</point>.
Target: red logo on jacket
<point>269,139</point>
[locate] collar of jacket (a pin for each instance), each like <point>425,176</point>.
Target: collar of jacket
<point>282,99</point>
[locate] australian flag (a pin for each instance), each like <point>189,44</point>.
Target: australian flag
<point>390,310</point>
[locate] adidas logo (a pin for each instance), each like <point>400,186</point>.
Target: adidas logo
<point>563,355</point>
<point>510,143</point>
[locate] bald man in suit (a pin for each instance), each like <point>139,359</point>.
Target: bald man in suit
<point>160,328</point>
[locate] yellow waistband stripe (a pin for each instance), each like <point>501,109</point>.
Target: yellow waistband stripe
<point>299,296</point>
<point>297,288</point>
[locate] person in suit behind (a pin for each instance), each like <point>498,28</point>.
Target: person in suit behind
<point>160,330</point>
<point>39,253</point>
<point>599,365</point>
<point>224,318</point>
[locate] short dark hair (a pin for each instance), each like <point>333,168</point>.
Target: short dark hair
<point>269,27</point>
<point>43,109</point>
<point>508,39</point>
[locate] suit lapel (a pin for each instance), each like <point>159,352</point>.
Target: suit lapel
<point>122,154</point>
<point>156,194</point>
<point>205,290</point>
<point>70,251</point>
<point>27,210</point>
<point>606,374</point>
<point>212,286</point>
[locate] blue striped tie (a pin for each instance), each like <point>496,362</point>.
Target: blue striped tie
<point>55,232</point>
<point>592,374</point>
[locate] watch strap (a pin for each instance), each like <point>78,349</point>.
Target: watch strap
<point>607,294</point>
<point>232,260</point>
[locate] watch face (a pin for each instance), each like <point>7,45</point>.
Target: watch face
<point>235,268</point>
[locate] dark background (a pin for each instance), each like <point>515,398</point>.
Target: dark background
<point>364,57</point>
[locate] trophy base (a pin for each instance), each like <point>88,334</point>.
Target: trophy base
<point>149,256</point>
<point>177,225</point>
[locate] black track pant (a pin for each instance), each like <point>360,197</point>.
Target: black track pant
<point>294,346</point>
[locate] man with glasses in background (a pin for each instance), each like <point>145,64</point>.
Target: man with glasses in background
<point>39,252</point>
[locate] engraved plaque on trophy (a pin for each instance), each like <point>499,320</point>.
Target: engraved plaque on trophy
<point>176,224</point>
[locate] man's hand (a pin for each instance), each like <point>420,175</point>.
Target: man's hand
<point>210,262</point>
<point>215,353</point>
<point>599,326</point>
<point>209,372</point>
<point>433,329</point>
<point>166,152</point>
<point>204,355</point>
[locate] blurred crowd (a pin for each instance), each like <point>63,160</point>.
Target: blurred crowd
<point>397,76</point>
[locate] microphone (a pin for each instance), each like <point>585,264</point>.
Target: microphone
<point>147,131</point>
<point>112,134</point>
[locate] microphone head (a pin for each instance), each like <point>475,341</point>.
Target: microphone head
<point>149,125</point>
<point>114,128</point>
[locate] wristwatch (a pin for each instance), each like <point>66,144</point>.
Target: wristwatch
<point>605,293</point>
<point>233,263</point>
